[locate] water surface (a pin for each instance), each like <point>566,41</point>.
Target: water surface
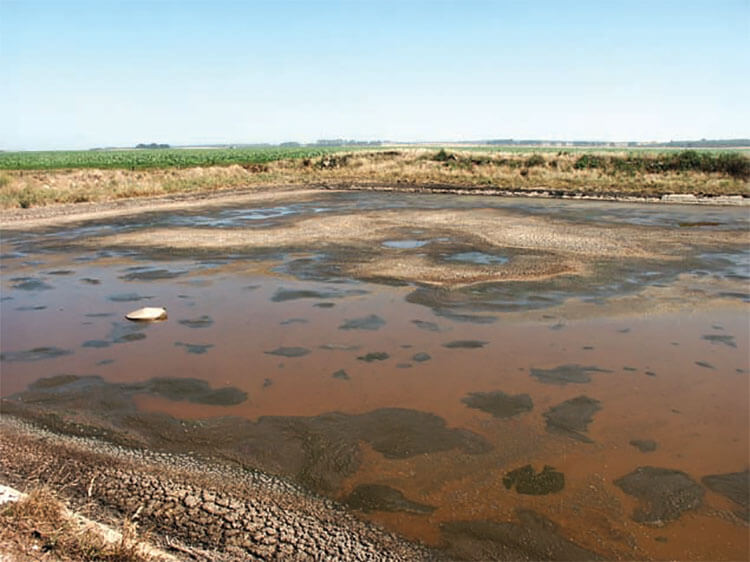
<point>422,400</point>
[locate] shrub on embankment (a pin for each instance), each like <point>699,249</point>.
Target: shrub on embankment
<point>728,163</point>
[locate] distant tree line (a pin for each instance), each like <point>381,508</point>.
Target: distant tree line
<point>343,142</point>
<point>703,143</point>
<point>152,145</point>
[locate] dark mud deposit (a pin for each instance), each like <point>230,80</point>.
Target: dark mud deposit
<point>35,354</point>
<point>533,537</point>
<point>204,321</point>
<point>289,351</point>
<point>499,404</point>
<point>644,445</point>
<point>465,344</point>
<point>664,494</point>
<point>526,481</point>
<point>376,497</point>
<point>417,360</point>
<point>565,374</point>
<point>317,451</point>
<point>371,322</point>
<point>80,389</point>
<point>735,486</point>
<point>374,356</point>
<point>572,417</point>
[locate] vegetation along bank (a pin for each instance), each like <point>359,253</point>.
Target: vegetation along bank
<point>33,179</point>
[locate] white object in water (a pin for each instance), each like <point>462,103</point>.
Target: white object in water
<point>148,313</point>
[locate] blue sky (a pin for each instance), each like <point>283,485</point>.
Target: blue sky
<point>104,73</point>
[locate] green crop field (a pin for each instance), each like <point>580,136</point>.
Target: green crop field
<point>154,158</point>
<point>136,159</point>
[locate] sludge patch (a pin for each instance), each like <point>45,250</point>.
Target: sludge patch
<point>194,348</point>
<point>465,344</point>
<point>572,417</point>
<point>150,274</point>
<point>34,354</point>
<point>100,394</point>
<point>499,404</point>
<point>533,537</point>
<point>565,374</point>
<point>204,321</point>
<point>288,351</point>
<point>341,374</point>
<point>720,339</point>
<point>282,294</point>
<point>735,486</point>
<point>426,325</point>
<point>128,297</point>
<point>29,284</point>
<point>664,493</point>
<point>377,497</point>
<point>318,452</point>
<point>644,445</point>
<point>526,481</point>
<point>374,356</point>
<point>96,343</point>
<point>191,390</point>
<point>372,322</point>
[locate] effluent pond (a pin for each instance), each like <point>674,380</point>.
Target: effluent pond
<point>471,373</point>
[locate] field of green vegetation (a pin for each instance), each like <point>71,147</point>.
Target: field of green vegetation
<point>734,163</point>
<point>138,159</point>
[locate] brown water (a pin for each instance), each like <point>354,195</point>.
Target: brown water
<point>663,349</point>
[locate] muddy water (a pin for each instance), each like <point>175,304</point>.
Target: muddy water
<point>576,382</point>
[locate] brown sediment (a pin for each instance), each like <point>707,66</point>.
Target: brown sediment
<point>334,435</point>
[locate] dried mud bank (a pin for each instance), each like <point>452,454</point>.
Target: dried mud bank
<point>78,212</point>
<point>425,243</point>
<point>73,212</point>
<point>207,510</point>
<point>546,193</point>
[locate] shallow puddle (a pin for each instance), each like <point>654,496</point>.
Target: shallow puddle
<point>601,412</point>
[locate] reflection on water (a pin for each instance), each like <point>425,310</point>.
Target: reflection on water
<point>543,412</point>
<point>477,257</point>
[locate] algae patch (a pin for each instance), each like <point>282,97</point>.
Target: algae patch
<point>499,404</point>
<point>526,481</point>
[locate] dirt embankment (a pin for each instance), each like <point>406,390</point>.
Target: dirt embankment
<point>209,511</point>
<point>608,176</point>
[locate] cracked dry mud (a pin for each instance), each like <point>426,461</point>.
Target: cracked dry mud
<point>234,514</point>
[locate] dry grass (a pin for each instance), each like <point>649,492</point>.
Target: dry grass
<point>410,167</point>
<point>38,527</point>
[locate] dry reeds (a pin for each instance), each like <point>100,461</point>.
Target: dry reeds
<point>38,527</point>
